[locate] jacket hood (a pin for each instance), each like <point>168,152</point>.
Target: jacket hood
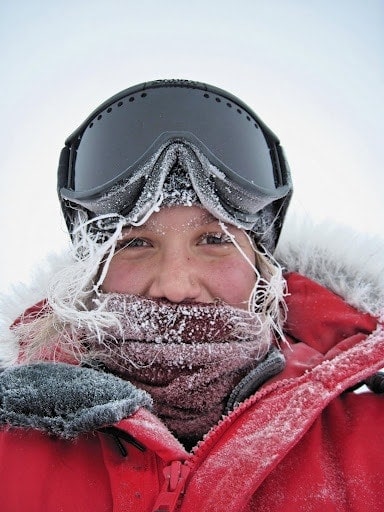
<point>349,263</point>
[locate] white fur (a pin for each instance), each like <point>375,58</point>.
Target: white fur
<point>349,263</point>
<point>23,296</point>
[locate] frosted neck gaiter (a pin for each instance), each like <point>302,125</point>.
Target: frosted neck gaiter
<point>189,357</point>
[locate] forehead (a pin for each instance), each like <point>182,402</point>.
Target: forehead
<point>178,217</point>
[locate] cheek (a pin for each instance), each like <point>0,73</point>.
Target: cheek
<point>232,282</point>
<point>123,278</point>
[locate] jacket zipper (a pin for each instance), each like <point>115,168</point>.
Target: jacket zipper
<point>175,475</point>
<point>177,472</point>
<point>214,434</point>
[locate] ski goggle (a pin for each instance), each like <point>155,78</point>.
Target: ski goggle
<point>125,130</point>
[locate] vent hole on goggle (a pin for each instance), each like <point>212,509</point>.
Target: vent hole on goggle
<point>144,95</point>
<point>119,104</point>
<point>239,111</point>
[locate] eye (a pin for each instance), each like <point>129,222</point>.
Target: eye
<point>215,239</point>
<point>132,243</point>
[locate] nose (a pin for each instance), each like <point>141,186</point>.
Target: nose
<point>176,279</point>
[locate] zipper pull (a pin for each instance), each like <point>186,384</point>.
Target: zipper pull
<point>175,477</point>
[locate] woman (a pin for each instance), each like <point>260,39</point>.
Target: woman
<point>174,365</point>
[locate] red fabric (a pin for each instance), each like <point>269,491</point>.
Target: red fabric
<point>338,465</point>
<point>320,318</point>
<point>32,313</point>
<point>300,443</point>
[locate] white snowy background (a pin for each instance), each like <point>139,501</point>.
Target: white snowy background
<point>312,69</point>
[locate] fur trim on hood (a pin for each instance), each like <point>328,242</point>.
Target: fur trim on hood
<point>348,263</point>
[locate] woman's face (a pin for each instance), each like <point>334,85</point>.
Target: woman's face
<point>181,254</point>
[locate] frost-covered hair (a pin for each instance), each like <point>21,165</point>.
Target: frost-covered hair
<point>72,306</point>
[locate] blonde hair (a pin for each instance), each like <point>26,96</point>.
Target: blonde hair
<point>72,307</point>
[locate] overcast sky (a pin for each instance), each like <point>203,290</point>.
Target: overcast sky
<point>312,69</point>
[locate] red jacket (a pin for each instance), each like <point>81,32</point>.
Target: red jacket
<point>303,442</point>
